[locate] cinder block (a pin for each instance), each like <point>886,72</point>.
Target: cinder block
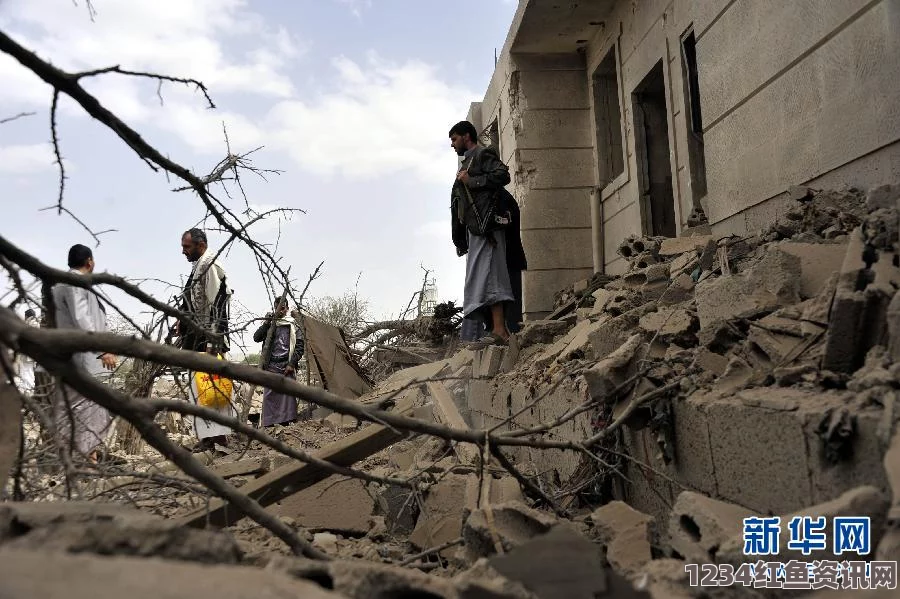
<point>693,451</point>
<point>775,480</point>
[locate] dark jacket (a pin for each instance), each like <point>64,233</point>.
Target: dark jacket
<point>262,333</point>
<point>487,175</point>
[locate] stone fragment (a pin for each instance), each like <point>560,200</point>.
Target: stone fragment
<point>340,422</point>
<point>33,574</point>
<point>358,579</point>
<point>487,361</point>
<point>684,263</point>
<point>562,564</point>
<point>818,262</point>
<point>513,523</point>
<point>680,290</point>
<point>858,312</point>
<point>607,374</point>
<point>672,246</point>
<point>610,336</point>
<point>709,361</point>
<point>601,298</point>
<point>699,525</point>
<point>337,504</point>
<point>442,513</point>
<point>885,196</point>
<point>105,528</point>
<point>670,324</point>
<point>626,533</point>
<point>770,284</point>
<point>540,331</point>
<point>580,286</point>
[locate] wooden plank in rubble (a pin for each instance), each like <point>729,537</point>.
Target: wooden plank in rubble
<point>446,412</point>
<point>296,476</point>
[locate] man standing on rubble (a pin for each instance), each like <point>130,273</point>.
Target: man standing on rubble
<point>206,298</point>
<point>487,287</point>
<point>281,354</point>
<point>80,308</point>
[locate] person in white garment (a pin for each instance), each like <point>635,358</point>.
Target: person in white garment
<point>80,308</point>
<point>206,298</point>
<point>24,364</point>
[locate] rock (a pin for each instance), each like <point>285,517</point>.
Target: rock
<point>787,376</point>
<point>670,324</point>
<point>626,533</point>
<point>680,290</point>
<point>540,331</point>
<point>102,528</point>
<point>442,513</point>
<point>814,318</point>
<point>513,522</point>
<point>799,193</point>
<point>858,312</point>
<point>885,196</point>
<point>482,581</point>
<point>362,579</point>
<point>341,422</point>
<point>610,372</point>
<point>699,525</point>
<point>27,574</point>
<point>672,246</point>
<point>861,501</point>
<point>818,262</point>
<point>684,263</point>
<point>326,541</point>
<point>772,283</point>
<point>580,286</point>
<point>709,361</point>
<point>720,336</point>
<point>601,298</point>
<point>337,504</point>
<point>611,334</point>
<point>562,564</point>
<point>776,346</point>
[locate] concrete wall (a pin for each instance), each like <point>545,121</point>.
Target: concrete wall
<point>801,92</point>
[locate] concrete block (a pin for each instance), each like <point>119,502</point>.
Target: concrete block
<point>441,519</point>
<point>818,261</point>
<point>674,246</point>
<point>626,533</point>
<point>608,337</point>
<point>777,481</point>
<point>556,168</point>
<point>513,523</point>
<point>670,324</point>
<point>336,504</point>
<point>770,284</point>
<point>487,361</point>
<point>551,89</point>
<point>555,129</point>
<point>693,464</point>
<point>699,525</point>
<point>540,331</point>
<point>604,376</point>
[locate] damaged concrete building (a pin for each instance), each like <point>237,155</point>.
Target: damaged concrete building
<point>656,117</point>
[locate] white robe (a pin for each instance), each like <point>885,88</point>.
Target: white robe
<point>209,280</point>
<point>25,366</point>
<point>78,308</point>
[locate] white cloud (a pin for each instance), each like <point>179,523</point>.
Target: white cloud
<point>27,159</point>
<point>356,6</point>
<point>381,119</point>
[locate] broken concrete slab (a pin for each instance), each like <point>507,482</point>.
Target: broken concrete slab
<point>441,519</point>
<point>103,529</point>
<point>709,361</point>
<point>609,336</point>
<point>818,262</point>
<point>699,525</point>
<point>858,312</point>
<point>607,374</point>
<point>601,298</point>
<point>672,246</point>
<point>501,490</point>
<point>626,533</point>
<point>487,361</point>
<point>540,331</point>
<point>338,504</point>
<point>670,324</point>
<point>447,413</point>
<point>48,574</point>
<point>510,524</point>
<point>562,564</point>
<point>770,284</point>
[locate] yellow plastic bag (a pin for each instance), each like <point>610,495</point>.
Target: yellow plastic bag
<point>213,390</point>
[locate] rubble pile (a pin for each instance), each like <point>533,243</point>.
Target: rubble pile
<point>715,379</point>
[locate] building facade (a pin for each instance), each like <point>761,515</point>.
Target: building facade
<point>666,117</point>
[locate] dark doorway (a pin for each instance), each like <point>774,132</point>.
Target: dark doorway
<point>651,135</point>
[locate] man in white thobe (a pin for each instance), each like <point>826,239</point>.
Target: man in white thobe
<point>80,308</point>
<point>206,297</point>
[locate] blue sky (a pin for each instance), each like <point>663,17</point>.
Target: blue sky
<point>352,99</point>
